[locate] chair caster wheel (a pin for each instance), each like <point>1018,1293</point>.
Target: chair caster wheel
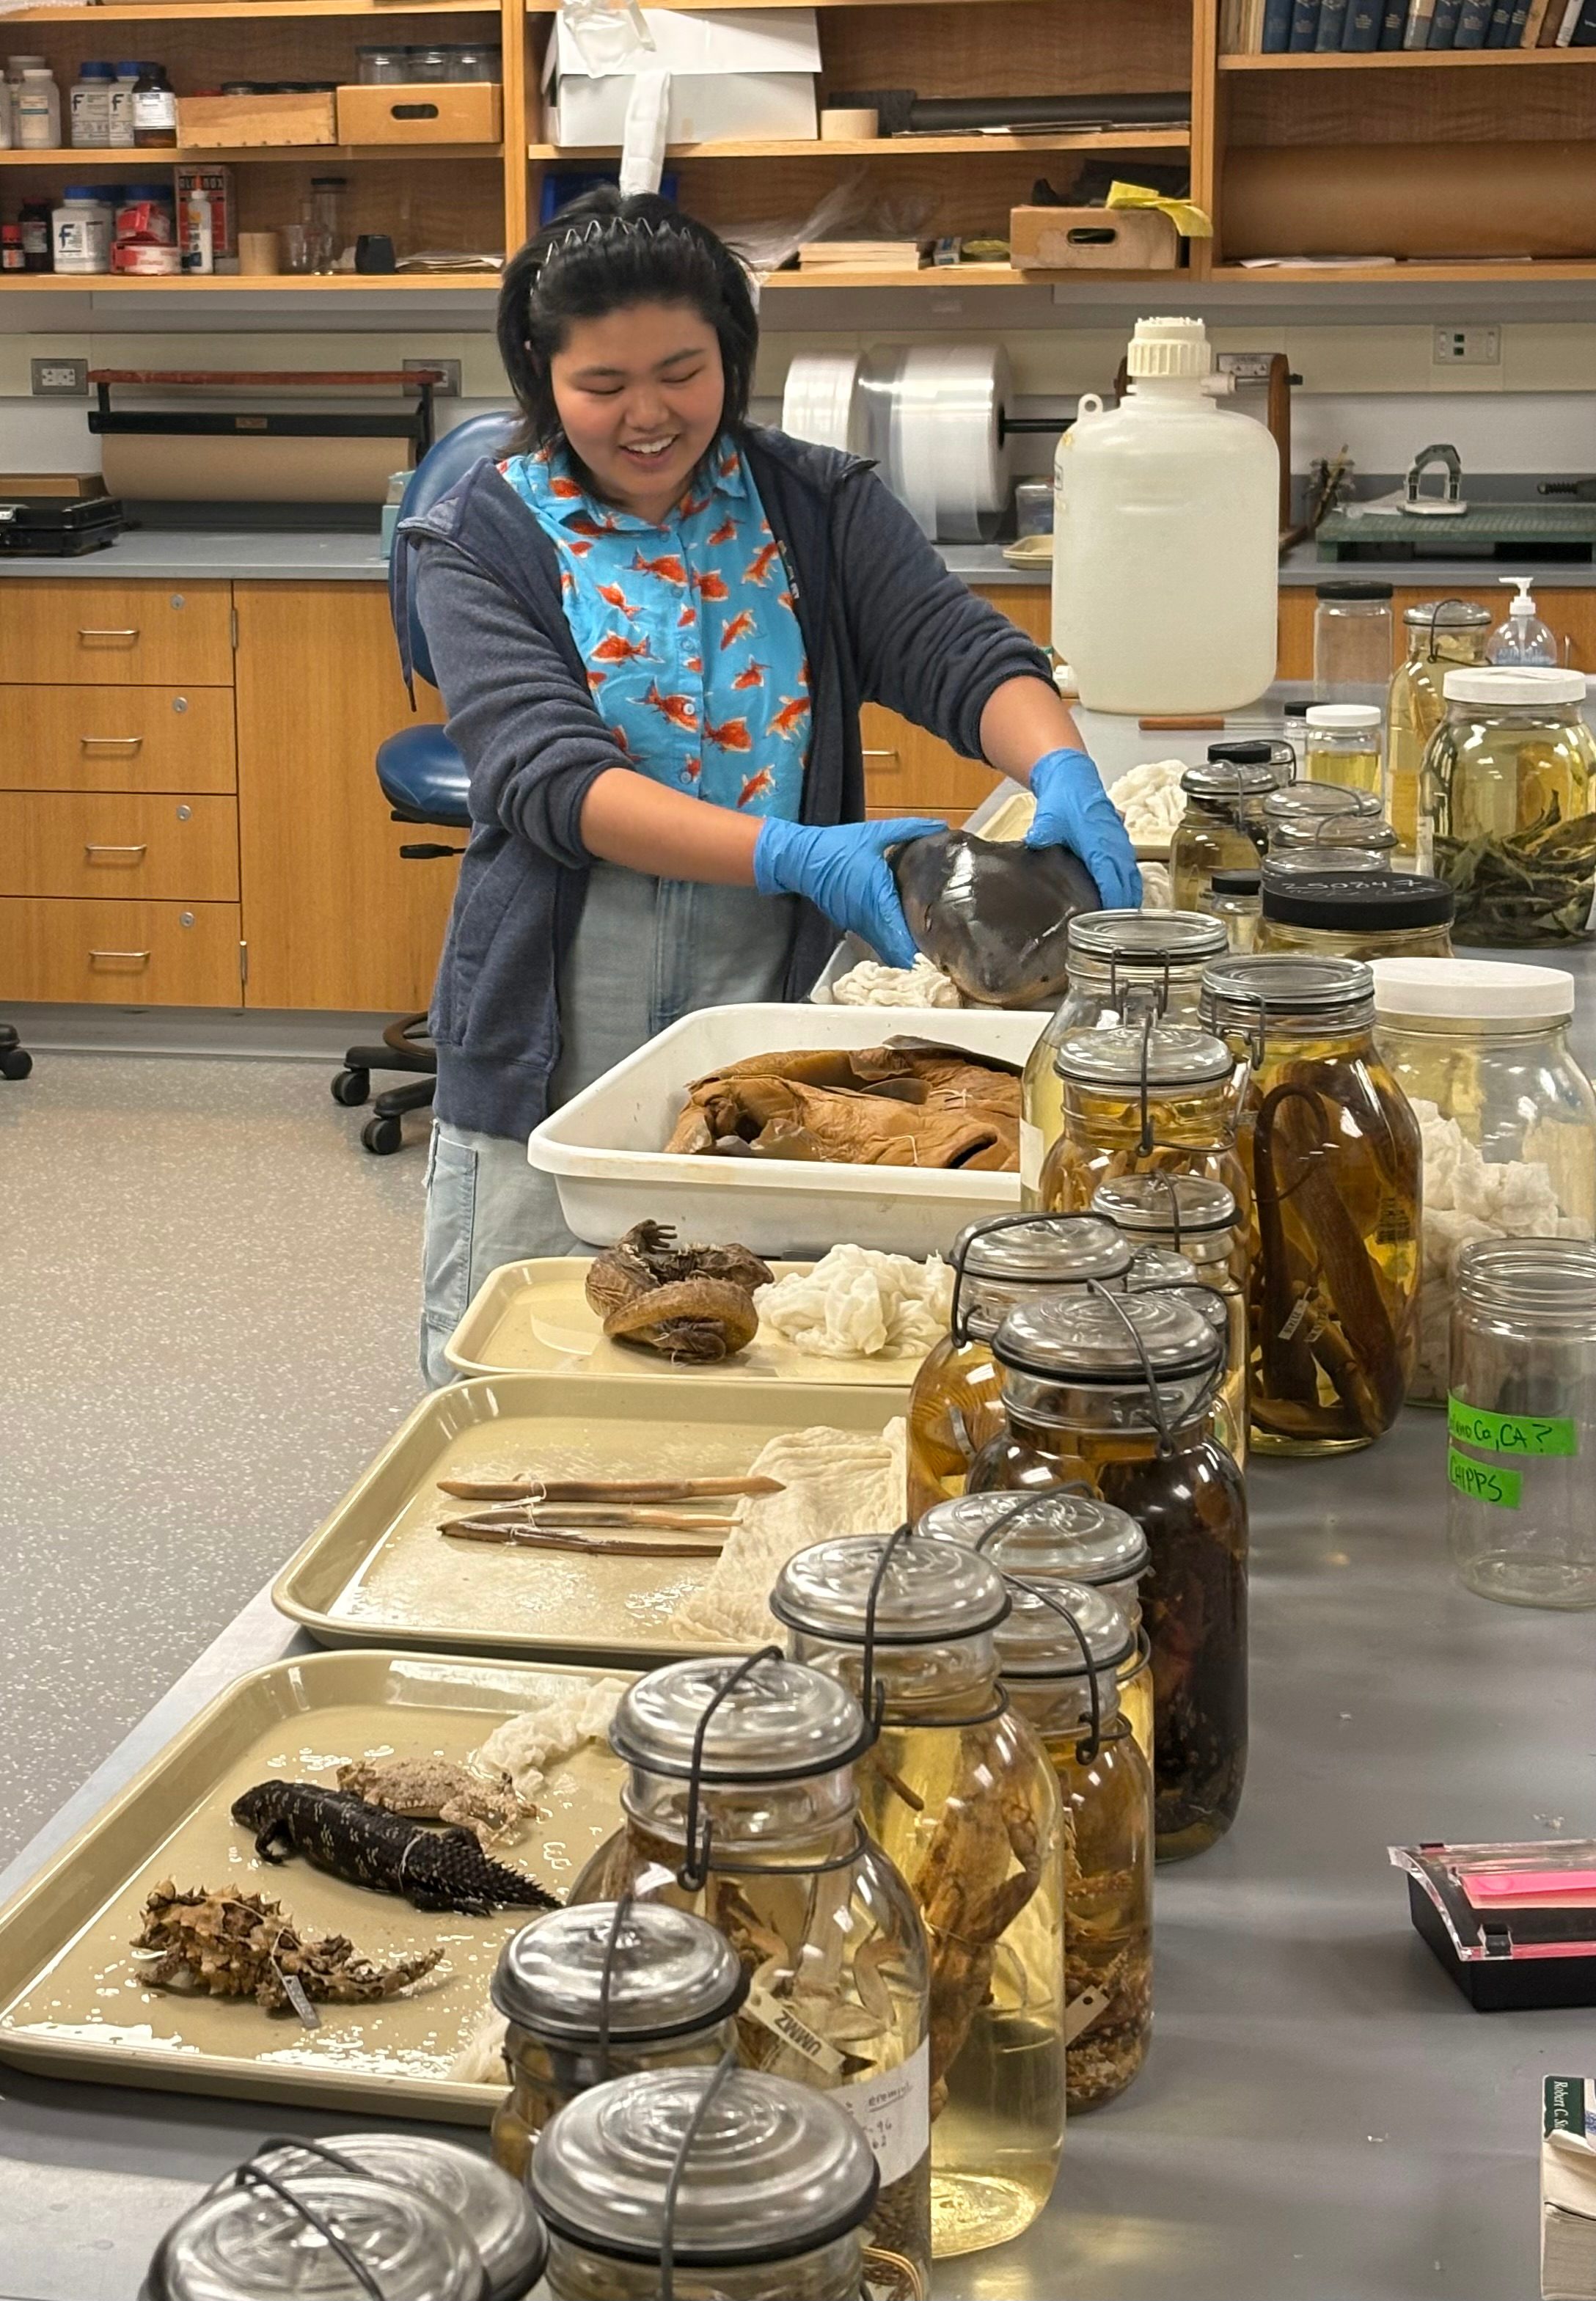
<point>351,1088</point>
<point>16,1063</point>
<point>382,1136</point>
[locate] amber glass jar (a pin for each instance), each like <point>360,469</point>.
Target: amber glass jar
<point>741,1804</point>
<point>1136,1100</point>
<point>1365,915</point>
<point>954,1407</point>
<point>1200,1219</point>
<point>1079,1404</point>
<point>1333,1149</point>
<point>1223,827</point>
<point>958,1793</point>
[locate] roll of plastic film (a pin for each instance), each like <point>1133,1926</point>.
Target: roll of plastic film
<point>821,400</point>
<point>931,422</point>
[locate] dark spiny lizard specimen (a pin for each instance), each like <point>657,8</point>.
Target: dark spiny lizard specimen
<point>365,1845</point>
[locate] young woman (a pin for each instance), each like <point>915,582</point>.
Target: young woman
<point>653,626</point>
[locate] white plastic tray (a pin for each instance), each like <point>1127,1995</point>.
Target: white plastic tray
<point>602,1146</point>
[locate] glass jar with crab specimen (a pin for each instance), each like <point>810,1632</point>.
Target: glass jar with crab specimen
<point>599,1992</point>
<point>1060,1652</point>
<point>1118,1390</point>
<point>958,1793</point>
<point>1143,1099</point>
<point>998,1263</point>
<point>741,1805</point>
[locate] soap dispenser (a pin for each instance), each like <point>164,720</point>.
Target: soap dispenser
<point>1523,636</point>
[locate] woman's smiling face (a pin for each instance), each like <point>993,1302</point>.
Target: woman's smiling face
<point>640,394</point>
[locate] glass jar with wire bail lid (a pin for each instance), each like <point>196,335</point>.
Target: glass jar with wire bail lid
<point>1100,1546</point>
<point>1121,965</point>
<point>1059,1652</point>
<point>954,1406</point>
<point>673,2185</point>
<point>601,1991</point>
<point>1147,1098</point>
<point>741,1804</point>
<point>959,1796</point>
<point>1441,636</point>
<point>1365,915</point>
<point>1118,1390</point>
<point>1160,1268</point>
<point>1300,814</point>
<point>1334,842</point>
<point>1507,785</point>
<point>1333,1153</point>
<point>1223,827</point>
<point>497,2211</point>
<point>1200,1218</point>
<point>332,2234</point>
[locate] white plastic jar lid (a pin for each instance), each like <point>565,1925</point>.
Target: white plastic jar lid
<point>1510,684</point>
<point>1338,717</point>
<point>1464,990</point>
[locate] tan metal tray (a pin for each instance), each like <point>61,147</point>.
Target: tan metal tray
<point>533,1316</point>
<point>72,2004</point>
<point>378,1572</point>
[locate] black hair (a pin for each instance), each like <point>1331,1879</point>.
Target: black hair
<point>599,254</point>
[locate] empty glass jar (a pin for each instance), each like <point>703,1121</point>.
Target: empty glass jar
<point>1365,915</point>
<point>954,1406</point>
<point>1138,1100</point>
<point>1507,785</point>
<point>595,1993</point>
<point>1521,1421</point>
<point>772,2189</point>
<point>1353,642</point>
<point>1223,827</point>
<point>959,1794</point>
<point>1440,635</point>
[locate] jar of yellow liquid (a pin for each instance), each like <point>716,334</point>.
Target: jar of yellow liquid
<point>1223,827</point>
<point>1343,746</point>
<point>1365,915</point>
<point>1442,634</point>
<point>1163,1097</point>
<point>1509,783</point>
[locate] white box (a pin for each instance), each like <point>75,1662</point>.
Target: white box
<point>744,73</point>
<point>602,1146</point>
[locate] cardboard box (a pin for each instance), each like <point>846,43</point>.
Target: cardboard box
<point>1091,239</point>
<point>457,111</point>
<point>748,73</point>
<point>222,123</point>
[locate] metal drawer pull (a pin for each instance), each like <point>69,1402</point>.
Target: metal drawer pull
<point>879,754</point>
<point>91,849</point>
<point>139,955</point>
<point>89,633</point>
<point>110,742</point>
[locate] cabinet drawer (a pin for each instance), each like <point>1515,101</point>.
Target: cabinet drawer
<point>130,739</point>
<point>116,634</point>
<point>907,772</point>
<point>121,954</point>
<point>167,849</point>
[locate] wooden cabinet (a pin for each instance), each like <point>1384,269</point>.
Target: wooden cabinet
<point>1570,613</point>
<point>119,954</point>
<point>130,739</point>
<point>907,771</point>
<point>75,844</point>
<point>77,633</point>
<point>333,916</point>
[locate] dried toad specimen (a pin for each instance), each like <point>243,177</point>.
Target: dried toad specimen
<point>242,1946</point>
<point>693,1303</point>
<point>433,1789</point>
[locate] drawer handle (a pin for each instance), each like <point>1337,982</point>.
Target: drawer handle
<point>139,956</point>
<point>90,850</point>
<point>880,755</point>
<point>110,742</point>
<point>90,632</point>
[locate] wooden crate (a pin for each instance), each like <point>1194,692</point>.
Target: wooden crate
<point>225,123</point>
<point>456,112</point>
<point>1091,239</point>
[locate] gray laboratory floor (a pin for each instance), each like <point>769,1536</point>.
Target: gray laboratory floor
<point>208,1298</point>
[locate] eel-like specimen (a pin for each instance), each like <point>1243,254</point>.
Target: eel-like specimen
<point>692,1302</point>
<point>365,1845</point>
<point>994,917</point>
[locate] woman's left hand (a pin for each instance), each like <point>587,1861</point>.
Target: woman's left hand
<point>1073,810</point>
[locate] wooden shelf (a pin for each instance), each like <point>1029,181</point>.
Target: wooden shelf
<point>1418,60</point>
<point>201,12</point>
<point>956,275</point>
<point>1488,270</point>
<point>1147,140</point>
<point>297,283</point>
<point>137,162</point>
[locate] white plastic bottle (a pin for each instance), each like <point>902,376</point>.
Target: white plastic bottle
<point>1523,636</point>
<point>198,234</point>
<point>36,105</point>
<point>90,107</point>
<point>119,109</point>
<point>1165,539</point>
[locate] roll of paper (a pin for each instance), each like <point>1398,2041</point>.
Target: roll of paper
<point>850,124</point>
<point>821,400</point>
<point>932,422</point>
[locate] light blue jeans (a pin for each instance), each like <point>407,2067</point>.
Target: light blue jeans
<point>646,951</point>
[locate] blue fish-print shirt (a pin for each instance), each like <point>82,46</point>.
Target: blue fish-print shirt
<point>688,631</point>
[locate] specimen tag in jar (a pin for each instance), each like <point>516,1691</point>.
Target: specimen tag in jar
<point>1082,2011</point>
<point>892,2111</point>
<point>1481,1482</point>
<point>294,1990</point>
<point>1294,1317</point>
<point>774,2014</point>
<point>1511,1434</point>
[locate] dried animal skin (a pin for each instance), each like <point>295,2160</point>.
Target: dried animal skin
<point>904,1106</point>
<point>859,1304</point>
<point>563,1714</point>
<point>432,1789</point>
<point>242,1946</point>
<point>691,1302</point>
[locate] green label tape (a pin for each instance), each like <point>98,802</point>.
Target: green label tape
<point>1511,1434</point>
<point>1480,1483</point>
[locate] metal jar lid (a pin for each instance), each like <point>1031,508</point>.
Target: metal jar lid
<point>1348,589</point>
<point>1300,803</point>
<point>1171,1055</point>
<point>1054,1530</point>
<point>774,2168</point>
<point>1235,883</point>
<point>1165,1205</point>
<point>251,2244</point>
<point>495,2210</point>
<point>1144,941</point>
<point>1090,1339</point>
<point>1358,902</point>
<point>1305,835</point>
<point>1159,1265</point>
<point>1045,1251</point>
<point>1227,775</point>
<point>571,1974</point>
<point>1037,1640</point>
<point>925,1594</point>
<point>1446,615</point>
<point>778,1721</point>
<point>1281,989</point>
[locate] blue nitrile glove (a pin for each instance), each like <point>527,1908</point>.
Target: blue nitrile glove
<point>841,869</point>
<point>1073,810</point>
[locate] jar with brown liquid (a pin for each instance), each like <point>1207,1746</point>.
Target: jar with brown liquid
<point>1143,1099</point>
<point>1006,1259</point>
<point>959,1794</point>
<point>1333,1153</point>
<point>1118,1390</point>
<point>1200,1218</point>
<point>741,1805</point>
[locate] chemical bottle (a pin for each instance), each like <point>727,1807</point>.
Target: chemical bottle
<point>1165,539</point>
<point>198,242</point>
<point>1521,637</point>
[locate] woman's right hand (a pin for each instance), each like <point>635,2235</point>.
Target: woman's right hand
<point>843,869</point>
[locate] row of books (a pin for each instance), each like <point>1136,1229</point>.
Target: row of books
<point>1350,27</point>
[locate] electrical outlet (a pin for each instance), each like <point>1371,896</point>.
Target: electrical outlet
<point>60,379</point>
<point>1467,348</point>
<point>449,369</point>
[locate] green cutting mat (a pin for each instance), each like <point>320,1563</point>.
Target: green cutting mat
<point>1516,527</point>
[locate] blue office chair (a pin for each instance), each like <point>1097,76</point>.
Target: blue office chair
<point>423,779</point>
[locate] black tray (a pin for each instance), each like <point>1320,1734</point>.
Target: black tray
<point>59,527</point>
